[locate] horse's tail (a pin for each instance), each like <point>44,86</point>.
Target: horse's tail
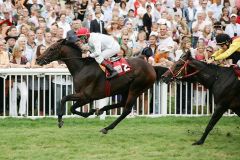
<point>159,71</point>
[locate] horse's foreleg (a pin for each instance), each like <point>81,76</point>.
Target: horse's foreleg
<point>80,104</point>
<point>61,109</point>
<point>214,119</point>
<point>128,107</point>
<point>237,111</point>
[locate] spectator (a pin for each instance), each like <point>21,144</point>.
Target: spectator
<point>86,22</point>
<point>164,40</point>
<point>113,29</point>
<point>71,35</point>
<point>60,33</point>
<point>123,9</point>
<point>4,63</point>
<point>130,17</point>
<point>10,40</point>
<point>48,39</point>
<point>207,35</point>
<point>225,20</point>
<point>19,61</point>
<point>178,8</point>
<point>126,51</point>
<point>30,46</point>
<point>97,25</point>
<point>147,20</point>
<point>24,29</point>
<point>131,33</point>
<point>64,25</point>
<point>43,83</point>
<point>156,15</point>
<point>31,6</point>
<point>81,10</point>
<point>140,44</point>
<point>184,89</point>
<point>197,28</point>
<point>54,30</point>
<point>233,29</point>
<point>39,37</point>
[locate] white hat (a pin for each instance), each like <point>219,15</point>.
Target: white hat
<point>162,21</point>
<point>153,34</point>
<point>233,15</point>
<point>164,49</point>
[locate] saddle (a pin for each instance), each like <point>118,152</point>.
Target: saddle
<point>119,64</point>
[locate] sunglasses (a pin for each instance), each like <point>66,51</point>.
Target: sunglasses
<point>126,39</point>
<point>209,51</point>
<point>82,37</point>
<point>221,45</point>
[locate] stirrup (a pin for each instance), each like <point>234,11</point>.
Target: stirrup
<point>112,75</point>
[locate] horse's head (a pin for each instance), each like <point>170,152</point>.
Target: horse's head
<point>179,69</point>
<point>52,53</point>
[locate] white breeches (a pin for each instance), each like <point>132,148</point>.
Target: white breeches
<point>23,102</point>
<point>107,53</point>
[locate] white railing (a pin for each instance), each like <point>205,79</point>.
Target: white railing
<point>42,89</point>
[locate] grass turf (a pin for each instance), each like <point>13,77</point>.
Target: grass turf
<point>164,138</point>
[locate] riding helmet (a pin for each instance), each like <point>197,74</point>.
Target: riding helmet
<point>223,39</point>
<point>83,32</point>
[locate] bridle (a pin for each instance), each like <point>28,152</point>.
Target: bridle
<point>184,70</point>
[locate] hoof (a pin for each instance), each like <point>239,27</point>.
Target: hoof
<point>98,112</point>
<point>197,143</point>
<point>104,131</point>
<point>60,124</point>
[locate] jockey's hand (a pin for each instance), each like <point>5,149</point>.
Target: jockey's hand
<point>210,60</point>
<point>85,47</point>
<point>86,54</point>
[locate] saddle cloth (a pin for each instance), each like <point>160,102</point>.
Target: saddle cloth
<point>237,71</point>
<point>120,65</point>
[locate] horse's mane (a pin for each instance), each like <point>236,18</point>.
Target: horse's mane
<point>73,45</point>
<point>76,47</point>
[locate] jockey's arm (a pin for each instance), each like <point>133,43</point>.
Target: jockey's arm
<point>218,52</point>
<point>233,47</point>
<point>95,46</point>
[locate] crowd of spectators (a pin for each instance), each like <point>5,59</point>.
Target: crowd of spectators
<point>168,27</point>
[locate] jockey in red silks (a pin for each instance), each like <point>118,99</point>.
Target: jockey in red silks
<point>101,47</point>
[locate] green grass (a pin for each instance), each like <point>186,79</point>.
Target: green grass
<point>166,138</point>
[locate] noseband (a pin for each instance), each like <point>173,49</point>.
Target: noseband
<point>183,70</point>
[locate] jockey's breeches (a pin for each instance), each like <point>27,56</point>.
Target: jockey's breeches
<point>107,53</point>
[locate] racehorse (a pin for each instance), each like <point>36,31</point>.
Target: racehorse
<point>90,81</point>
<point>222,81</point>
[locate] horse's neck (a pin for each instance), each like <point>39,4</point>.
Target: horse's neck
<point>207,75</point>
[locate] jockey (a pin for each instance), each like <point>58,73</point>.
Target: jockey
<point>101,47</point>
<point>228,49</point>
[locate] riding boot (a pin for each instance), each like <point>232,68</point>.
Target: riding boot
<point>111,70</point>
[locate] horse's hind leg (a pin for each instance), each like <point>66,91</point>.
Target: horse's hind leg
<point>128,107</point>
<point>112,106</point>
<point>214,119</point>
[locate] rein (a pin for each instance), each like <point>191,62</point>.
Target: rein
<point>71,58</point>
<point>184,70</point>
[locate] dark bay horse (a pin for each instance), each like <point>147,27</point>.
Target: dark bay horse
<point>89,80</point>
<point>222,81</point>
